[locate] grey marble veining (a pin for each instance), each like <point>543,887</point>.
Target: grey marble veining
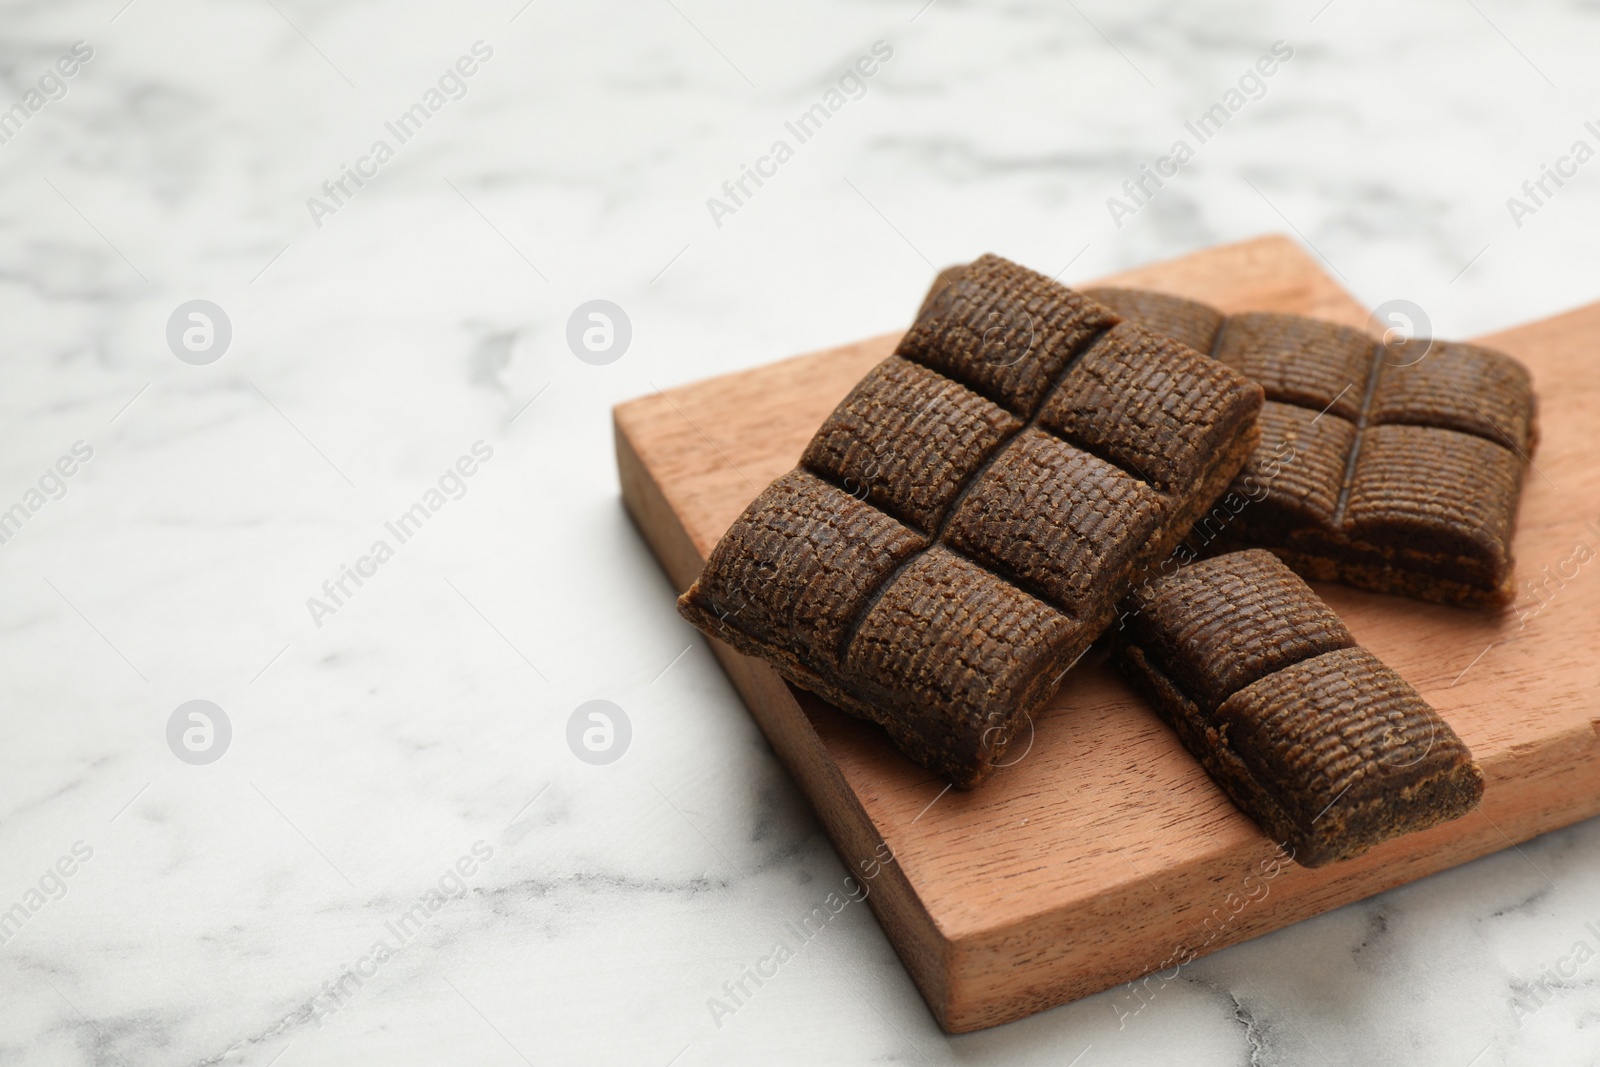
<point>234,912</point>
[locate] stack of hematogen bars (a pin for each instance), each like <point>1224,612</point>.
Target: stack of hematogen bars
<point>1023,471</point>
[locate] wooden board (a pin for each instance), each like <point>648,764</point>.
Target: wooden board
<point>1105,853</point>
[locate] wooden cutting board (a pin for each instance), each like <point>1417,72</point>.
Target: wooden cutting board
<point>1105,854</point>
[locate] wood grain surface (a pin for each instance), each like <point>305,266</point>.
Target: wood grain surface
<point>1105,855</point>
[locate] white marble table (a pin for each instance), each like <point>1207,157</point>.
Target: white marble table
<point>399,768</point>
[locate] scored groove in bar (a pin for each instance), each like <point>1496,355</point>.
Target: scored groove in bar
<point>1334,395</point>
<point>1355,448</point>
